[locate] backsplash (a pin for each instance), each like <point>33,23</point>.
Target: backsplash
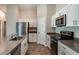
<point>74,29</point>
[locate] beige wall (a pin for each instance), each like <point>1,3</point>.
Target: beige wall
<point>11,19</point>
<point>30,15</point>
<point>46,11</point>
<point>42,10</point>
<point>51,10</point>
<point>3,7</point>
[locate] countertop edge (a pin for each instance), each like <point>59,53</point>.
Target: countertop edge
<point>6,53</point>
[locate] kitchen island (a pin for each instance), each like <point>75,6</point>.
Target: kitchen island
<point>6,46</point>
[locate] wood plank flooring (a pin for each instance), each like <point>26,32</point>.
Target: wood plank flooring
<point>37,49</point>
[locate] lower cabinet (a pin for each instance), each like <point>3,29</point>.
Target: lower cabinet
<point>64,50</point>
<point>48,41</point>
<point>21,49</point>
<point>16,50</point>
<point>24,46</point>
<point>32,37</point>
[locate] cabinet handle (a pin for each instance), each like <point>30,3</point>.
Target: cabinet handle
<point>73,22</point>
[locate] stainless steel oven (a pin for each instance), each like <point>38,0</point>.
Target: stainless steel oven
<point>64,35</point>
<point>54,47</point>
<point>54,43</point>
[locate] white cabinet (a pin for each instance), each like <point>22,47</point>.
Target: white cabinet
<point>24,46</point>
<point>64,50</point>
<point>53,21</point>
<point>76,20</point>
<point>58,14</point>
<point>48,41</point>
<point>73,15</point>
<point>32,37</point>
<point>70,15</point>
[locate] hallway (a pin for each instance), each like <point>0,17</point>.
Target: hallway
<point>37,49</point>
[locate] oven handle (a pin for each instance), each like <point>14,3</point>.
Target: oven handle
<point>55,41</point>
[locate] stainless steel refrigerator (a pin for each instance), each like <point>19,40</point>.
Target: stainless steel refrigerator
<point>22,28</point>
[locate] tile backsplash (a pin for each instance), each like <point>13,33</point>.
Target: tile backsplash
<point>74,29</point>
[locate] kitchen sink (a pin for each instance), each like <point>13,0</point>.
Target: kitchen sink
<point>16,38</point>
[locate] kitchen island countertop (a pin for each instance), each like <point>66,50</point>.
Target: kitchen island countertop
<point>6,46</point>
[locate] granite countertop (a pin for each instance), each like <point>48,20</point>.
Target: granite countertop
<point>73,44</point>
<point>6,46</point>
<point>51,33</point>
<point>32,31</point>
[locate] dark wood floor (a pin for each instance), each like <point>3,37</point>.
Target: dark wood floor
<point>38,49</point>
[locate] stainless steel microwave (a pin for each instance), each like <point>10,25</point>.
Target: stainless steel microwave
<point>61,21</point>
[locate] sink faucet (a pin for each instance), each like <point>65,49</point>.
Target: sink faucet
<point>12,35</point>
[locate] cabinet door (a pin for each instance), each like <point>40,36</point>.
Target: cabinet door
<point>61,49</point>
<point>23,47</point>
<point>77,14</point>
<point>48,41</point>
<point>26,44</point>
<point>65,50</point>
<point>53,21</point>
<point>76,20</point>
<point>71,52</point>
<point>70,15</point>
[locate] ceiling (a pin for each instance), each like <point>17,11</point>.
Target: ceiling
<point>27,6</point>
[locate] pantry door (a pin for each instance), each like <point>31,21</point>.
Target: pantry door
<point>41,31</point>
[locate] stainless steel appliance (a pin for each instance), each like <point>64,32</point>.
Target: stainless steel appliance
<point>21,28</point>
<point>67,35</point>
<point>64,35</point>
<point>54,43</point>
<point>61,21</point>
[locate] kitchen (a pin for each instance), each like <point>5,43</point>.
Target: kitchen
<point>51,29</point>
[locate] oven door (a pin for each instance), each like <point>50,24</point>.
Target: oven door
<point>54,47</point>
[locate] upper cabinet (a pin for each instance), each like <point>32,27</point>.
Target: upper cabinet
<point>53,21</point>
<point>72,15</point>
